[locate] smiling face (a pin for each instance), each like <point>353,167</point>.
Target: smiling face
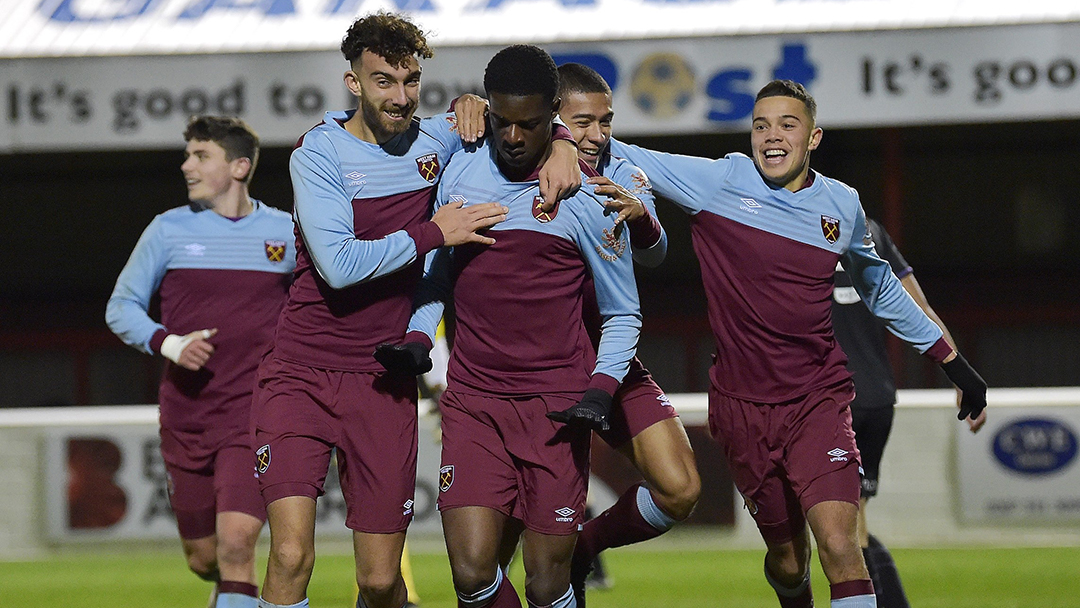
<point>782,136</point>
<point>388,95</point>
<point>210,176</point>
<point>521,131</point>
<point>588,116</point>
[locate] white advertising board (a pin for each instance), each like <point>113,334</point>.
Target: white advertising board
<point>1021,468</point>
<point>675,86</point>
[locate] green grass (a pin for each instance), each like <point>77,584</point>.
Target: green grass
<point>693,578</point>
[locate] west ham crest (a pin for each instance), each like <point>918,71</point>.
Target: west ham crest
<point>428,167</point>
<point>538,210</point>
<point>446,477</point>
<point>275,250</point>
<point>830,228</point>
<point>262,459</point>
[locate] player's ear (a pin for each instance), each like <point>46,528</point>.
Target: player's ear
<point>815,138</point>
<point>555,105</point>
<point>352,82</point>
<point>241,168</point>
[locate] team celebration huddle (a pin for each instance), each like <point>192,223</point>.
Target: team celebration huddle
<point>516,219</point>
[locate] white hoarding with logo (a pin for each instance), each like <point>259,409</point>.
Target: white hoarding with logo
<point>661,86</point>
<point>1022,467</point>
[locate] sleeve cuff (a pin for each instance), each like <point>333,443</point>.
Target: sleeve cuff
<point>427,237</point>
<point>605,383</point>
<point>645,232</point>
<point>418,336</point>
<point>559,131</point>
<point>157,339</point>
<point>939,350</point>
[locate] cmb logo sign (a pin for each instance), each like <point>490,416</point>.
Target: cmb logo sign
<point>1035,446</point>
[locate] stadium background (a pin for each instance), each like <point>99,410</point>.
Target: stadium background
<point>958,124</point>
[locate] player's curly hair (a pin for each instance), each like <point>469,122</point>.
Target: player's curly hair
<point>390,36</point>
<point>231,133</point>
<point>790,88</point>
<point>522,69</point>
<point>580,78</point>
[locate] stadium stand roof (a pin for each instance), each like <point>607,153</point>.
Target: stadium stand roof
<point>73,28</point>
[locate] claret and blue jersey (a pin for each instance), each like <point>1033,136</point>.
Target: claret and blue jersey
<point>361,214</point>
<point>767,257</point>
<point>518,301</point>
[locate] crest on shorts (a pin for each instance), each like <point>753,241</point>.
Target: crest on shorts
<point>612,244</point>
<point>275,250</point>
<point>750,505</point>
<point>446,477</point>
<point>428,166</point>
<point>830,227</point>
<point>262,459</point>
<point>538,210</point>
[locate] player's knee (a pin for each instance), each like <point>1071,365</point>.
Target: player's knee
<point>471,577</point>
<point>787,563</point>
<point>838,546</point>
<point>679,498</point>
<point>293,558</point>
<point>378,588</point>
<point>235,550</point>
<point>203,564</point>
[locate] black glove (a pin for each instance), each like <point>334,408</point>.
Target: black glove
<point>589,413</point>
<point>408,359</point>
<point>970,383</point>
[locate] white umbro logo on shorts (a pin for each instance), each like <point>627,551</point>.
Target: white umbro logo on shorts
<point>837,455</point>
<point>408,507</point>
<point>565,514</point>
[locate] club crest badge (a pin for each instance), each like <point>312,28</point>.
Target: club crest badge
<point>428,167</point>
<point>612,244</point>
<point>446,477</point>
<point>538,210</point>
<point>830,228</point>
<point>275,250</point>
<point>262,459</point>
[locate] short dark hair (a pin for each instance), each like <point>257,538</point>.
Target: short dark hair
<point>390,36</point>
<point>231,133</point>
<point>790,88</point>
<point>580,78</point>
<point>522,69</point>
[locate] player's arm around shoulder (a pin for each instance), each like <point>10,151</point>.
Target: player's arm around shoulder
<point>688,181</point>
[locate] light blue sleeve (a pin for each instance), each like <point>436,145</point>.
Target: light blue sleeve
<point>616,293</point>
<point>435,289</point>
<point>126,312</point>
<point>634,179</point>
<point>688,181</point>
<point>324,215</point>
<point>883,293</point>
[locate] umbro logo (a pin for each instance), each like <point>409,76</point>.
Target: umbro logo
<point>749,205</point>
<point>408,506</point>
<point>838,455</point>
<point>356,178</point>
<point>195,249</point>
<point>565,514</point>
<point>457,198</point>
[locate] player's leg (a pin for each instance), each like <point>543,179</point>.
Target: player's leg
<point>872,426</point>
<point>407,575</point>
<point>377,468</point>
<point>294,439</point>
<point>191,495</point>
<point>828,489</point>
<point>473,538</point>
<point>240,518</point>
<point>478,488</point>
<point>547,569</point>
<point>749,433</point>
<point>378,570</point>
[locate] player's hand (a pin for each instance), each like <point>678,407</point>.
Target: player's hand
<point>560,177</point>
<point>589,413</point>
<point>620,200</point>
<point>972,387</point>
<point>462,225</point>
<point>190,351</point>
<point>408,359</point>
<point>471,112</point>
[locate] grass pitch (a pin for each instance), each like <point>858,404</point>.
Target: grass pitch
<point>694,578</point>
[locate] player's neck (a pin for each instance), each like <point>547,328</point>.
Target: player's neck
<point>235,203</point>
<point>524,174</point>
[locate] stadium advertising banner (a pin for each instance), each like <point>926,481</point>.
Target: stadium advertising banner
<point>661,86</point>
<point>112,485</point>
<point>1022,467</point>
